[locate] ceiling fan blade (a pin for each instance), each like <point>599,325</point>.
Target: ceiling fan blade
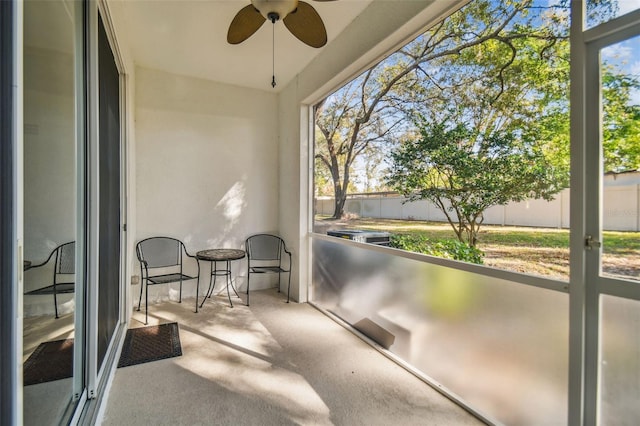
<point>244,24</point>
<point>306,25</point>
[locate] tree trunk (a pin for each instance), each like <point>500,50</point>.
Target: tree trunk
<point>340,199</point>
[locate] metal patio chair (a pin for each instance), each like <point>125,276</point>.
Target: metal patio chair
<point>264,255</point>
<point>161,262</point>
<point>63,258</point>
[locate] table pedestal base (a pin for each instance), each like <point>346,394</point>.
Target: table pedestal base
<point>214,256</point>
<point>215,272</point>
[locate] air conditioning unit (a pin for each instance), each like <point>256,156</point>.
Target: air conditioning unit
<point>363,236</point>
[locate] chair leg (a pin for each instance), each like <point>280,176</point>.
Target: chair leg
<point>248,278</point>
<point>289,286</point>
<point>146,304</point>
<point>278,282</point>
<point>180,298</point>
<point>55,300</point>
<point>140,298</point>
<point>197,291</point>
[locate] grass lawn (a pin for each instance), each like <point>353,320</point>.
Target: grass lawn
<point>536,251</point>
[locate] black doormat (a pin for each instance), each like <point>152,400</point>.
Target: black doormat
<point>50,361</point>
<point>151,343</point>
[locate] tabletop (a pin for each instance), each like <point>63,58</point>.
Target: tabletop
<point>220,254</point>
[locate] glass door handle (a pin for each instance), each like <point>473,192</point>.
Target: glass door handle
<point>590,243</point>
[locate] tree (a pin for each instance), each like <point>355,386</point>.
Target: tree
<point>348,126</point>
<point>522,111</point>
<point>621,122</point>
<point>371,108</point>
<point>464,172</point>
<point>373,161</point>
<point>322,182</point>
<point>500,135</point>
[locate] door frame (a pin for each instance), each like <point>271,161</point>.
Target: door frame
<point>11,222</point>
<point>97,379</point>
<point>586,284</point>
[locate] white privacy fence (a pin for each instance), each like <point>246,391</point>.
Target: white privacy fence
<point>621,209</point>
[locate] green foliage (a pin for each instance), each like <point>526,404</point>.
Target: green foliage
<point>448,249</point>
<point>621,122</point>
<point>464,172</point>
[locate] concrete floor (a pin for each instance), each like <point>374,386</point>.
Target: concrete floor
<point>270,364</point>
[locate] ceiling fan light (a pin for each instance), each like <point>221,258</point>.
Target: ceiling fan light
<point>281,7</point>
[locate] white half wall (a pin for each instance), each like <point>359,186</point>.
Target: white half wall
<point>206,164</point>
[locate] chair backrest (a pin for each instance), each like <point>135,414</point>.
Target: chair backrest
<point>160,252</point>
<point>264,247</point>
<point>66,258</point>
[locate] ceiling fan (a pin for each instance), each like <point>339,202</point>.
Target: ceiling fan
<point>300,18</point>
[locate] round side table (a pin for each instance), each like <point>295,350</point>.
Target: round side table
<point>214,256</point>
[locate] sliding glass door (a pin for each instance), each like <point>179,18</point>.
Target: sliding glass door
<point>53,281</point>
<point>62,192</point>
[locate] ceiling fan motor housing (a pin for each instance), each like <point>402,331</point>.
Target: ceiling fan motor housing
<point>274,10</point>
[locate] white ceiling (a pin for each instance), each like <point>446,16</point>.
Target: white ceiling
<point>188,37</point>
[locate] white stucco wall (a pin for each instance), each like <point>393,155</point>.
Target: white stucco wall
<point>206,165</point>
<point>381,27</point>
